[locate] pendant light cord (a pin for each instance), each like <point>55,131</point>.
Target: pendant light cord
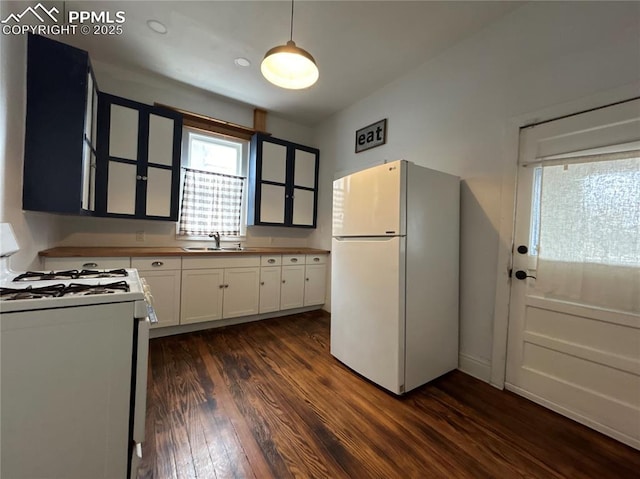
<point>291,32</point>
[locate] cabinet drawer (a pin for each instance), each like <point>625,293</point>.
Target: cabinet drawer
<point>86,263</point>
<point>205,262</point>
<point>289,259</point>
<point>156,264</point>
<point>316,259</point>
<point>272,260</point>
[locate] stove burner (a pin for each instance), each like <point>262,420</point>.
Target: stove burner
<point>70,274</point>
<point>42,276</point>
<point>59,290</point>
<point>10,294</point>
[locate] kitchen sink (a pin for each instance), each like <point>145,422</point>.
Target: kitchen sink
<point>202,248</point>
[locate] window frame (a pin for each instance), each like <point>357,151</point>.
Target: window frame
<point>187,134</point>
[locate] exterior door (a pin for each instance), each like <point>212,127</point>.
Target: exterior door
<point>574,325</point>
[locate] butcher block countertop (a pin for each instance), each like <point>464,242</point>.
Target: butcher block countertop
<point>134,251</point>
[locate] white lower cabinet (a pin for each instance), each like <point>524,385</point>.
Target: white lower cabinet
<point>241,292</point>
<point>270,278</point>
<point>194,289</point>
<point>292,287</point>
<point>163,275</point>
<point>218,288</point>
<point>202,292</point>
<point>315,286</point>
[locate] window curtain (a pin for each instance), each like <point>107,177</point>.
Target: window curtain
<point>211,202</point>
<point>589,249</point>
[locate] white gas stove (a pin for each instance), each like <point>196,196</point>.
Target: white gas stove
<point>32,290</point>
<point>74,352</point>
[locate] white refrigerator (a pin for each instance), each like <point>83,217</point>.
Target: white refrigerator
<point>394,274</point>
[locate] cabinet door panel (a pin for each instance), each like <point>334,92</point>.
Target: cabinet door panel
<point>315,284</point>
<point>165,289</point>
<point>158,192</point>
<point>201,297</point>
<point>160,140</point>
<point>241,292</point>
<point>272,204</point>
<point>303,207</point>
<point>270,278</point>
<point>123,133</point>
<point>304,169</point>
<point>274,162</point>
<point>292,287</point>
<point>121,190</point>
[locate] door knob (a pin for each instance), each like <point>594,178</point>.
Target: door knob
<point>522,249</point>
<point>520,274</point>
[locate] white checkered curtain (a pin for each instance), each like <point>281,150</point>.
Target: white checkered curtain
<point>211,202</point>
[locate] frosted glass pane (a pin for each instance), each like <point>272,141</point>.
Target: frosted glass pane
<point>123,133</point>
<point>305,169</point>
<point>590,212</point>
<point>121,192</point>
<point>589,248</point>
<point>158,192</point>
<point>272,204</point>
<point>274,162</point>
<point>160,140</point>
<point>303,207</point>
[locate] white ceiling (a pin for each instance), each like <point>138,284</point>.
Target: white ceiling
<point>358,46</point>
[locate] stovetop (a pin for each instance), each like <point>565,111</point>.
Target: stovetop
<point>54,289</point>
<point>60,289</point>
<point>71,274</point>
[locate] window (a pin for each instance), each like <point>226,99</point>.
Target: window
<point>213,186</point>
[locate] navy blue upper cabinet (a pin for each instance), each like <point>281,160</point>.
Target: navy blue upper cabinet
<point>60,129</point>
<point>138,174</point>
<point>283,183</point>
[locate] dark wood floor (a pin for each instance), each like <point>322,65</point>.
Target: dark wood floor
<point>267,400</point>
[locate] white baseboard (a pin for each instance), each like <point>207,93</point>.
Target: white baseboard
<point>476,367</point>
<point>189,328</point>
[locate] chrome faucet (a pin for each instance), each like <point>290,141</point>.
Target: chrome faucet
<point>216,237</point>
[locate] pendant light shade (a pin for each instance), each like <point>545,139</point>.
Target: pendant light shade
<point>289,66</point>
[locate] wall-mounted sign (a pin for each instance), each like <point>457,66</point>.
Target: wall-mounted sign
<point>371,136</point>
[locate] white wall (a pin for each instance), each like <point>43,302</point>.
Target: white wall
<point>456,113</point>
<point>34,231</point>
<point>148,88</point>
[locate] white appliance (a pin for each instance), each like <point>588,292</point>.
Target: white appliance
<point>73,355</point>
<point>394,274</point>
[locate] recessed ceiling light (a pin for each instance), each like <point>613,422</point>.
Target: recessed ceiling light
<point>242,62</point>
<point>157,26</point>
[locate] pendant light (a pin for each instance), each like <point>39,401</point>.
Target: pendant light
<point>289,66</point>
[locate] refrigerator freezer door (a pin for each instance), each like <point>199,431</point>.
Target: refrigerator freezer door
<point>370,202</point>
<point>367,317</point>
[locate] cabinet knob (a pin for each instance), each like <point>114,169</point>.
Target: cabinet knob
<point>261,283</point>
<point>316,259</point>
<point>226,285</point>
<point>271,261</point>
<point>306,279</point>
<point>157,264</point>
<point>283,281</point>
<point>138,177</point>
<point>144,178</point>
<point>90,265</point>
<point>221,286</point>
<point>294,260</point>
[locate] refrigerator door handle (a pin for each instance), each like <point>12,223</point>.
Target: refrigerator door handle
<point>366,238</point>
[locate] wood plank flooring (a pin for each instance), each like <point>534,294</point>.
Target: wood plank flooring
<point>267,400</point>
